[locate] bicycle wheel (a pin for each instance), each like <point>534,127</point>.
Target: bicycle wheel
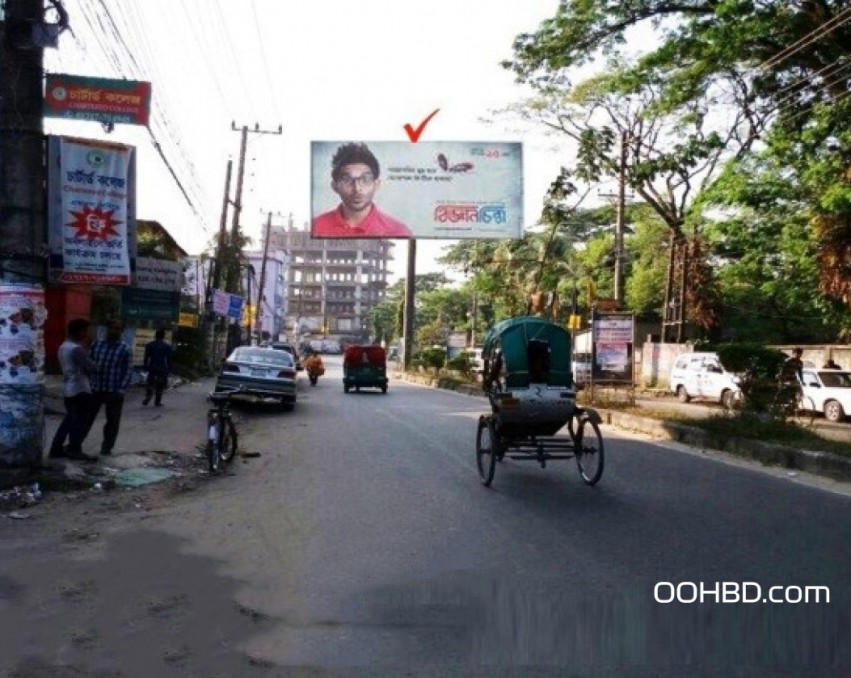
<point>214,451</point>
<point>805,411</point>
<point>228,442</point>
<point>589,451</point>
<point>485,450</point>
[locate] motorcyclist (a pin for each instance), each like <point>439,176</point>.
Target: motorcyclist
<point>313,365</point>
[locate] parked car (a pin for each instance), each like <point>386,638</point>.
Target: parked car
<point>289,348</point>
<point>701,375</point>
<point>260,372</point>
<point>830,392</point>
<point>581,366</point>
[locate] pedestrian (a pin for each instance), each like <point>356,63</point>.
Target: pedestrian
<point>77,368</point>
<point>158,356</point>
<point>793,367</point>
<point>112,357</point>
<point>830,365</point>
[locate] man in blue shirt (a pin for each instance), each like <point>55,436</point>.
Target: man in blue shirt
<point>113,361</point>
<point>158,365</point>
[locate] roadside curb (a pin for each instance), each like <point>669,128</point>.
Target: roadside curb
<point>824,464</point>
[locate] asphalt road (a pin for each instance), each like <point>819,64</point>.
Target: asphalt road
<point>361,541</point>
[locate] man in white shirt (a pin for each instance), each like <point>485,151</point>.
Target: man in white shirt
<point>77,368</point>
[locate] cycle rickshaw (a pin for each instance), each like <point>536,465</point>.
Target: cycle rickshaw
<point>529,384</point>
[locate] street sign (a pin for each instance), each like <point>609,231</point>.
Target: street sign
<point>100,99</point>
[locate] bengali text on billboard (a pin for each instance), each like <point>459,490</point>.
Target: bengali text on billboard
<point>389,189</point>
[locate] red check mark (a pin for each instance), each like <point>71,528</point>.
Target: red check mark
<point>414,134</point>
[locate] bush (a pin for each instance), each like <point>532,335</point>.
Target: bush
<point>758,367</point>
<point>432,358</point>
<point>462,363</point>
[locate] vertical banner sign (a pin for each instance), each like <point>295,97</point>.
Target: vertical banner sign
<point>91,221</point>
<point>613,347</point>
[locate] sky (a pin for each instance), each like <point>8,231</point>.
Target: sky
<point>321,70</point>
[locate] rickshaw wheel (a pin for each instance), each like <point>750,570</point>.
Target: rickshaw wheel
<point>589,451</point>
<point>485,450</point>
<point>573,427</point>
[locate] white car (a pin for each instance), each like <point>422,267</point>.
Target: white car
<point>828,392</point>
<point>701,375</point>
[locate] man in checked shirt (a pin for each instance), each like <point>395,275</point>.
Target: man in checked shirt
<point>112,357</point>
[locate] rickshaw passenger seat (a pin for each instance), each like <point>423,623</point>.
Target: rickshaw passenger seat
<point>538,357</point>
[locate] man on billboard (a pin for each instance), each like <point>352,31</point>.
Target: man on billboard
<point>355,176</point>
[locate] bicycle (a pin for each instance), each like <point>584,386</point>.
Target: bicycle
<point>790,403</point>
<point>221,432</point>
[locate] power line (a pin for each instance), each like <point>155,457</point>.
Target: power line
<point>808,39</point>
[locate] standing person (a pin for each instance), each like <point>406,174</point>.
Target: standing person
<point>77,368</point>
<point>794,366</point>
<point>112,357</point>
<point>355,176</point>
<point>158,354</point>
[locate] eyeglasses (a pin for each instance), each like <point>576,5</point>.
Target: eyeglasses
<point>363,181</point>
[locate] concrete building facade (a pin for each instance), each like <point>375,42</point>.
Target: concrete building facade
<point>333,284</point>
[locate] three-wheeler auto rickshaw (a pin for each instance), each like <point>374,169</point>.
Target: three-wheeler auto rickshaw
<point>529,383</point>
<point>364,367</point>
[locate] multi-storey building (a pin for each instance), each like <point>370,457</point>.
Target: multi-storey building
<point>333,284</point>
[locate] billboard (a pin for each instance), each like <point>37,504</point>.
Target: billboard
<point>395,189</point>
<point>614,342</point>
<point>106,101</point>
<point>91,211</point>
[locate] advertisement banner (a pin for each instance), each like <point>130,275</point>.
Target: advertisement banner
<point>390,189</point>
<point>159,274</point>
<point>153,305</point>
<point>226,304</point>
<point>91,211</point>
<point>22,318</point>
<point>100,99</point>
<point>614,337</point>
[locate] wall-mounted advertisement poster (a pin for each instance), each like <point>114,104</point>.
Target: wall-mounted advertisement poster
<point>22,317</point>
<point>91,211</point>
<point>389,189</point>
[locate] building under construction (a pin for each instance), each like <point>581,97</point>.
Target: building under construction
<point>333,284</point>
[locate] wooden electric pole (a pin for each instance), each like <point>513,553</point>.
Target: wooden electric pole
<point>620,223</point>
<point>262,286</point>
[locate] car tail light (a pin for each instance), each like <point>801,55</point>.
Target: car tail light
<point>287,374</point>
<point>228,367</point>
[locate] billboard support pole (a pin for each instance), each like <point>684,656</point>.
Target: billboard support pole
<point>410,284</point>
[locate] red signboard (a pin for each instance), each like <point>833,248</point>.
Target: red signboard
<point>100,99</point>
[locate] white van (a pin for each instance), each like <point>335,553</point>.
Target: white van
<point>700,375</point>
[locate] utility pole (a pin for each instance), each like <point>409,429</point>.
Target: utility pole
<point>22,224</point>
<point>410,286</point>
<point>215,279</point>
<point>262,286</point>
<point>233,275</point>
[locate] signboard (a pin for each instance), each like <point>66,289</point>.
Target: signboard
<point>137,304</point>
<point>613,336</point>
<point>226,304</point>
<point>389,189</point>
<point>91,211</point>
<point>100,99</point>
<point>187,320</point>
<point>159,274</point>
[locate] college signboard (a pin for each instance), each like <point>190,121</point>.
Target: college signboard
<point>100,99</point>
<point>389,189</point>
<point>91,211</point>
<point>228,305</point>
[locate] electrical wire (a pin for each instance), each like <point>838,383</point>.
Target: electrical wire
<point>817,33</point>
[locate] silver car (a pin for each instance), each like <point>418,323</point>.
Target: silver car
<point>261,372</point>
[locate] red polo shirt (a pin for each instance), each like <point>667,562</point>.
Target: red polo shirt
<point>377,224</point>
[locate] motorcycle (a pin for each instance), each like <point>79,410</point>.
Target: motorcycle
<point>315,369</point>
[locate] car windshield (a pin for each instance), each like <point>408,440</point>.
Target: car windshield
<point>840,379</point>
<point>258,356</point>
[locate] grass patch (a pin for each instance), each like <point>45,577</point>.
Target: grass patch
<point>752,428</point>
